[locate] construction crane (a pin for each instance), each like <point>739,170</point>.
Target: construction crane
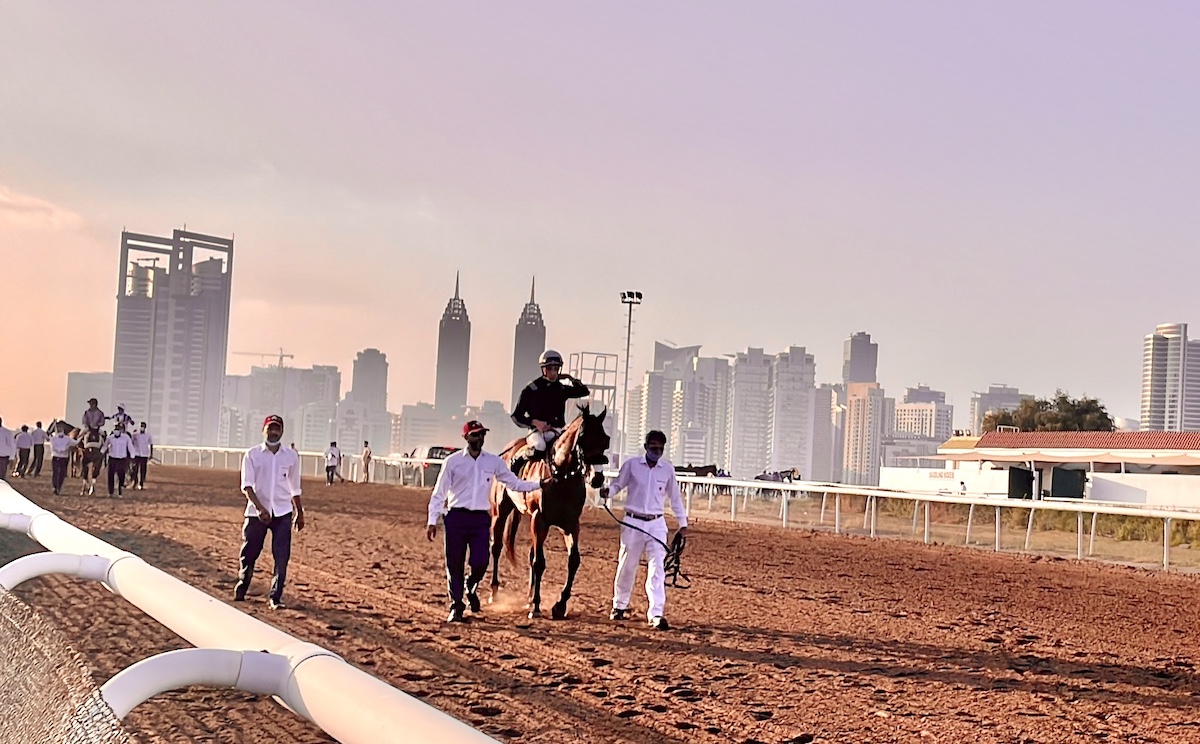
<point>264,354</point>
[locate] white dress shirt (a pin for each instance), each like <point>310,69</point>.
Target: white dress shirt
<point>8,443</point>
<point>648,488</point>
<point>39,436</point>
<point>118,445</point>
<point>142,442</point>
<point>275,478</point>
<point>466,483</point>
<point>60,445</point>
<point>333,456</point>
<point>24,440</point>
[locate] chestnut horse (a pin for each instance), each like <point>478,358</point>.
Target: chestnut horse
<point>560,504</point>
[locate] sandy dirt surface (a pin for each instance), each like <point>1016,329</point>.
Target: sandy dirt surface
<point>786,636</point>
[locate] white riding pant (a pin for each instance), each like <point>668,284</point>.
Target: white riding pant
<point>634,545</point>
<point>540,440</point>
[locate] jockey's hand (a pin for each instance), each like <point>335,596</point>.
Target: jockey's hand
<point>540,425</point>
<point>431,532</point>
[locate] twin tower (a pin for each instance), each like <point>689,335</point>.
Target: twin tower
<point>454,352</point>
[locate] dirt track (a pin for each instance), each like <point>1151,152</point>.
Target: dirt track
<point>787,636</point>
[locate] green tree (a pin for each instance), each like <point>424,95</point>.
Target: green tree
<point>1059,413</point>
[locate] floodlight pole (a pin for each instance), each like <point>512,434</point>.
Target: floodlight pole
<point>630,298</point>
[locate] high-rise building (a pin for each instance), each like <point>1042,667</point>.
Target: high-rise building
<point>84,385</point>
<point>1170,380</point>
<point>454,357</point>
<point>924,421</point>
<point>997,398</point>
<point>749,417</point>
<point>922,394</point>
<point>860,356</point>
<point>792,409</point>
<point>868,422</point>
<point>827,438</point>
<point>369,382</point>
<point>305,398</point>
<point>420,425</point>
<point>699,411</point>
<point>172,333</point>
<point>529,341</point>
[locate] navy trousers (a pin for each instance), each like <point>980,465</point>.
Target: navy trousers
<point>117,469</point>
<point>466,530</point>
<point>59,466</point>
<point>254,534</point>
<point>39,455</point>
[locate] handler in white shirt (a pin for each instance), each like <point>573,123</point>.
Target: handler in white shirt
<point>143,450</point>
<point>271,483</point>
<point>8,450</point>
<point>650,480</point>
<point>333,461</point>
<point>118,446</point>
<point>60,458</point>
<point>39,448</point>
<point>463,494</point>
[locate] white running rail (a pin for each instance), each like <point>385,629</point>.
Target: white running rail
<point>350,705</point>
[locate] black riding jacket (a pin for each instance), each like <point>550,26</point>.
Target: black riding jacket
<point>547,401</point>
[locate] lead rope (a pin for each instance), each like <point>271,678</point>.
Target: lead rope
<point>672,564</point>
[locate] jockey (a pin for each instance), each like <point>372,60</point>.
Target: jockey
<point>542,406</point>
<point>122,419</point>
<point>93,417</point>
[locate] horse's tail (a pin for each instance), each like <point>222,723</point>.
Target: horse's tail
<point>510,535</point>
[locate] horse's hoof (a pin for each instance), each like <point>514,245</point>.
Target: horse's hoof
<point>534,614</point>
<point>558,611</point>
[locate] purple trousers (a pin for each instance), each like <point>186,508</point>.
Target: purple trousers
<point>466,530</point>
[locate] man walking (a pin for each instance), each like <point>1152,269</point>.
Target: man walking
<point>39,448</point>
<point>24,445</point>
<point>60,458</point>
<point>8,449</point>
<point>118,446</point>
<point>650,480</point>
<point>143,450</point>
<point>271,483</point>
<point>463,495</point>
<point>333,460</point>
<point>366,461</point>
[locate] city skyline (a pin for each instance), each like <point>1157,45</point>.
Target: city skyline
<point>770,179</point>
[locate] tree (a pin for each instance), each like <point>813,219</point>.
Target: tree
<point>1060,413</point>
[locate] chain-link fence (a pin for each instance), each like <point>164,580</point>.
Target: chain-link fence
<point>47,695</point>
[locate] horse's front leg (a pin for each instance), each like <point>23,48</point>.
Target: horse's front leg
<point>559,611</point>
<point>537,564</point>
<point>504,510</point>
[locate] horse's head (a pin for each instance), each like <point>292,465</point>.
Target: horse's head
<point>593,441</point>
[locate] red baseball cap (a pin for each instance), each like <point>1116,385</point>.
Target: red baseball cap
<point>473,426</point>
<point>272,419</point>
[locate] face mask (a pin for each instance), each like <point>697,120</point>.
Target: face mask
<point>275,441</point>
<point>653,455</point>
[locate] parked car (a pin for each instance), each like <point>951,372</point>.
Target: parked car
<point>425,473</point>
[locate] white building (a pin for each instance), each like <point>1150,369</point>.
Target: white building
<point>172,333</point>
<point>420,424</point>
<point>924,421</point>
<point>699,405</point>
<point>826,442</point>
<point>792,410</point>
<point>84,385</point>
<point>1170,380</point>
<point>313,426</point>
<point>749,418</point>
<point>869,414</point>
<point>356,423</point>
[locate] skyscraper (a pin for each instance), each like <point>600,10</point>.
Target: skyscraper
<point>997,398</point>
<point>529,341</point>
<point>859,359</point>
<point>172,333</point>
<point>793,398</point>
<point>454,357</point>
<point>369,382</point>
<point>868,421</point>
<point>1170,380</point>
<point>749,413</point>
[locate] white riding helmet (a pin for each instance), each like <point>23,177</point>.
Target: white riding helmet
<point>549,357</point>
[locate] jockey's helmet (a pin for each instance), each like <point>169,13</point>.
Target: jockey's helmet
<point>550,357</point>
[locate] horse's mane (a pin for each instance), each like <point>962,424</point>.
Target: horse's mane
<point>565,444</point>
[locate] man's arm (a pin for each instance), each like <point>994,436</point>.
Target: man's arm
<point>620,483</point>
<point>676,498</point>
<point>297,513</point>
<point>437,499</point>
<point>505,476</point>
<point>248,489</point>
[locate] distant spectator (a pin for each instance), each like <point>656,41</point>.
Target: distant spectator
<point>8,450</point>
<point>24,445</point>
<point>39,448</point>
<point>333,460</point>
<point>962,487</point>
<point>366,462</point>
<point>60,459</point>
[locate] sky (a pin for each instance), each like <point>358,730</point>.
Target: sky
<point>996,192</point>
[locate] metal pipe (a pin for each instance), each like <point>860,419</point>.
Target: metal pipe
<point>1092,542</point>
<point>824,498</point>
<point>997,529</point>
<point>874,515</point>
<point>928,526</point>
<point>18,571</point>
<point>837,513</point>
<point>970,517</point>
<point>1079,536</point>
<point>784,509</point>
<point>1166,543</point>
<point>1029,529</point>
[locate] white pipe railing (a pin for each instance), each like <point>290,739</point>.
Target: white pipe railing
<point>347,703</point>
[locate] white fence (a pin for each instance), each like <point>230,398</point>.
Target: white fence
<point>783,500</point>
<point>407,471</point>
<point>232,648</point>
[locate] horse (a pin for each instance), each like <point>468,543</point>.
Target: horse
<point>91,458</point>
<point>700,471</point>
<point>560,504</point>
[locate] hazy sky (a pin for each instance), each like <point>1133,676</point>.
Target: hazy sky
<point>997,192</point>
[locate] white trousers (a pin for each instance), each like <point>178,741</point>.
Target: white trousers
<point>634,545</point>
<point>540,440</point>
